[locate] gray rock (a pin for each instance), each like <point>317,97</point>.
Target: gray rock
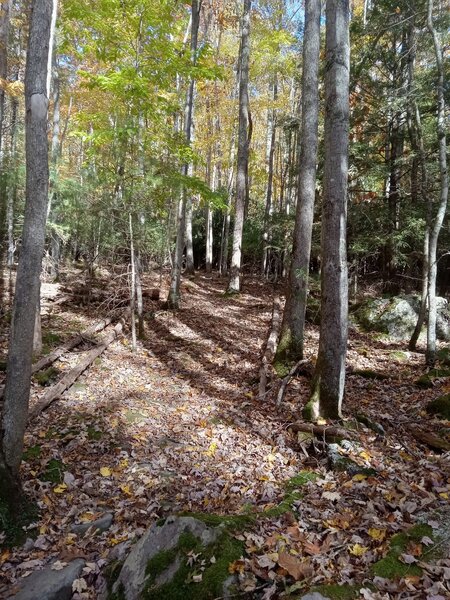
<point>102,524</point>
<point>48,584</point>
<point>133,575</point>
<point>314,596</point>
<point>397,316</point>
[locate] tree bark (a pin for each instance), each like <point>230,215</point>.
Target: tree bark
<point>234,284</point>
<point>271,131</point>
<point>290,349</point>
<point>17,389</point>
<point>329,377</point>
<point>442,206</point>
<point>174,297</point>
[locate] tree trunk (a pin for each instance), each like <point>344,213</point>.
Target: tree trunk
<point>271,131</point>
<point>17,389</point>
<point>12,187</point>
<point>174,297</point>
<point>139,297</point>
<point>442,206</point>
<point>290,349</point>
<point>132,285</point>
<point>329,377</point>
<point>234,283</point>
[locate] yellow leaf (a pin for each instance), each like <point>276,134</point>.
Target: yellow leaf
<point>359,477</point>
<point>126,490</point>
<point>321,421</point>
<point>365,455</point>
<point>105,472</point>
<point>358,550</point>
<point>377,534</point>
<point>271,458</point>
<point>87,517</point>
<point>212,449</point>
<point>444,495</point>
<point>60,489</point>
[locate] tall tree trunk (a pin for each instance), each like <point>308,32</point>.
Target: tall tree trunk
<point>132,284</point>
<point>290,348</point>
<point>329,377</point>
<point>17,389</point>
<point>442,206</point>
<point>174,297</point>
<point>12,186</point>
<point>234,283</point>
<point>271,132</point>
<point>4,35</point>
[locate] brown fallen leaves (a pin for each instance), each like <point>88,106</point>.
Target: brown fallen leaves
<point>176,427</point>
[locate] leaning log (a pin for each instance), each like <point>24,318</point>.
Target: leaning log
<point>271,347</point>
<point>429,439</point>
<point>328,433</point>
<point>56,391</point>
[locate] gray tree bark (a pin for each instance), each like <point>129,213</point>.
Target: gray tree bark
<point>329,377</point>
<point>174,297</point>
<point>271,131</point>
<point>290,348</point>
<point>234,284</point>
<point>17,389</point>
<point>442,206</point>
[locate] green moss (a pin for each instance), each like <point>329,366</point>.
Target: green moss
<point>390,567</point>
<point>338,592</point>
<point>231,522</point>
<point>47,376</point>
<point>443,356</point>
<point>93,434</point>
<point>308,412</point>
<point>54,471</point>
<point>50,339</point>
<point>222,552</point>
<point>287,354</point>
<point>440,406</point>
<point>370,374</point>
<point>13,525</point>
<point>427,379</point>
<point>301,479</point>
<point>32,452</point>
<point>399,355</point>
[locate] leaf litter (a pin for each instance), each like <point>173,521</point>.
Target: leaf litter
<point>176,427</point>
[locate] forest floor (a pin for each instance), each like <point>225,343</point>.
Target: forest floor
<point>176,426</point>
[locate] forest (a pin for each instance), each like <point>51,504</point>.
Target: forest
<point>225,283</point>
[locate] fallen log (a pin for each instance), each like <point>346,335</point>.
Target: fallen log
<point>429,439</point>
<point>271,347</point>
<point>329,433</point>
<point>56,391</point>
<point>286,380</point>
<point>49,359</point>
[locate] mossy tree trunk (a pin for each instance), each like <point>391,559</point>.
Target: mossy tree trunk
<point>329,376</point>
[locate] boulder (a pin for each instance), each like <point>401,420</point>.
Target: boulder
<point>182,557</point>
<point>49,584</point>
<point>440,406</point>
<point>396,317</point>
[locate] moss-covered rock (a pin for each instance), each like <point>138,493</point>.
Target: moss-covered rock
<point>181,559</point>
<point>440,406</point>
<point>391,566</point>
<point>54,471</point>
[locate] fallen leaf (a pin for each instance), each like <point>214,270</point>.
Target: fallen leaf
<point>105,472</point>
<point>358,550</point>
